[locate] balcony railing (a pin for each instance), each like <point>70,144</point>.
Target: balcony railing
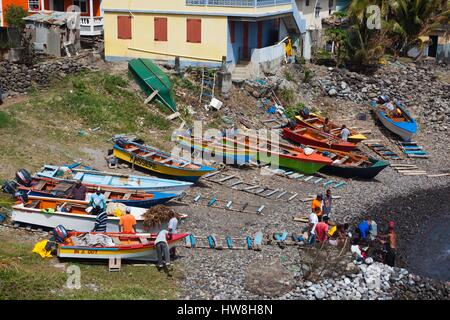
<point>237,3</point>
<point>91,26</point>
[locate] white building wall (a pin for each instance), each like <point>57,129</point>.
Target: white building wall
<point>309,12</point>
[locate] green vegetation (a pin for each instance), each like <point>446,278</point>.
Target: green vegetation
<point>102,100</point>
<point>288,76</point>
<point>307,75</point>
<point>25,275</point>
<point>341,44</point>
<point>287,95</point>
<point>292,111</point>
<point>14,16</point>
<point>6,120</point>
<point>60,120</point>
<point>402,26</point>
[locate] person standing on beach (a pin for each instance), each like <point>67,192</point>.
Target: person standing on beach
<point>391,245</point>
<point>316,206</point>
<point>162,248</point>
<point>173,225</point>
<point>326,208</point>
<point>1,94</point>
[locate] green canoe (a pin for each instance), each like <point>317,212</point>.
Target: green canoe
<point>151,78</point>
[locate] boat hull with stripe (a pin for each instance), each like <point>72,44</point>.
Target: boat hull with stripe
<point>160,162</point>
<point>119,181</point>
<point>131,247</point>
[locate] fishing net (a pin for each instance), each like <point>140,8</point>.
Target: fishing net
<point>157,215</point>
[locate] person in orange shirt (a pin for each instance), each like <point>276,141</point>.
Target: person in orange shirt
<point>127,222</point>
<point>316,206</point>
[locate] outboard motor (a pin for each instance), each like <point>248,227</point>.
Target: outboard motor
<point>305,111</point>
<point>383,99</point>
<point>60,234</point>
<point>10,187</point>
<point>22,196</point>
<point>23,177</point>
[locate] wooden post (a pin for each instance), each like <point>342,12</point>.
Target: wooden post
<point>115,264</point>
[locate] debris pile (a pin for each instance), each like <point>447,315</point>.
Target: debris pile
<point>157,215</point>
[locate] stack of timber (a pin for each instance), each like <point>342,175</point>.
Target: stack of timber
<point>408,169</point>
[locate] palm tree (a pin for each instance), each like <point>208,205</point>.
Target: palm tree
<point>413,19</point>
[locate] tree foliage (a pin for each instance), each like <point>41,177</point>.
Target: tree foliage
<point>14,16</point>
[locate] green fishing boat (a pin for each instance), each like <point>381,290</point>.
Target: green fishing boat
<point>153,81</point>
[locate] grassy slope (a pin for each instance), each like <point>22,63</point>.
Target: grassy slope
<point>46,127</point>
<point>25,275</point>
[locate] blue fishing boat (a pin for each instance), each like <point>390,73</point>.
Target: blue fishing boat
<point>395,117</point>
<point>48,187</point>
<point>113,180</point>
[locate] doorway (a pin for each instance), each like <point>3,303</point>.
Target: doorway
<point>432,49</point>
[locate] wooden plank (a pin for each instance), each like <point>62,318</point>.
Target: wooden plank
<point>226,178</point>
<point>211,174</point>
<point>293,196</point>
<point>281,194</point>
<point>438,175</point>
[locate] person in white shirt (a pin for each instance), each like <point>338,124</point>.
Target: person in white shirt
<point>173,224</point>
<point>162,248</point>
<point>344,133</point>
<point>313,221</point>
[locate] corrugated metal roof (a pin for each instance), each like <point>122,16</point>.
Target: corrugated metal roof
<point>54,17</point>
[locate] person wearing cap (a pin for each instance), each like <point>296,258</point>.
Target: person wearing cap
<point>391,245</point>
<point>127,222</point>
<point>97,202</point>
<point>317,203</point>
<point>79,191</point>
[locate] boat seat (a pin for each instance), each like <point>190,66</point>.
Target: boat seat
<point>78,176</point>
<point>184,164</point>
<point>107,194</point>
<point>359,162</point>
<point>148,155</point>
<point>166,160</point>
<point>33,204</point>
<point>345,159</point>
<point>106,180</point>
<point>126,196</point>
<point>40,185</point>
<point>311,119</point>
<point>132,149</point>
<point>300,130</point>
<point>143,240</point>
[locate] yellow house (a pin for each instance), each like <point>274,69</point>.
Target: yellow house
<point>199,32</point>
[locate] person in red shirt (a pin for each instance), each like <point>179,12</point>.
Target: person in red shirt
<point>322,230</point>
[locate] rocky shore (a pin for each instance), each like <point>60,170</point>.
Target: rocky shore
<point>408,200</point>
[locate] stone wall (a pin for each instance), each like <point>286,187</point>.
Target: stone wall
<point>18,78</point>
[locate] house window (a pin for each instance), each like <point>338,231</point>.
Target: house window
<point>194,30</point>
<point>307,3</point>
<point>124,27</point>
<point>160,29</point>
<point>82,4</point>
<point>232,28</point>
<point>33,5</point>
<point>330,6</point>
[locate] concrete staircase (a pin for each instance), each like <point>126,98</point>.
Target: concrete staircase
<point>241,72</point>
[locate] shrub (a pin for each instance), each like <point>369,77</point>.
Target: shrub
<point>14,16</point>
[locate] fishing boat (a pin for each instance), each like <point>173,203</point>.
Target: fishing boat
<point>139,246</point>
<point>47,187</point>
<point>93,178</point>
<point>212,150</point>
<point>293,159</point>
<point>314,137</point>
<point>158,161</point>
<point>51,212</point>
<point>351,164</point>
<point>315,121</point>
<point>395,117</point>
<point>153,81</point>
